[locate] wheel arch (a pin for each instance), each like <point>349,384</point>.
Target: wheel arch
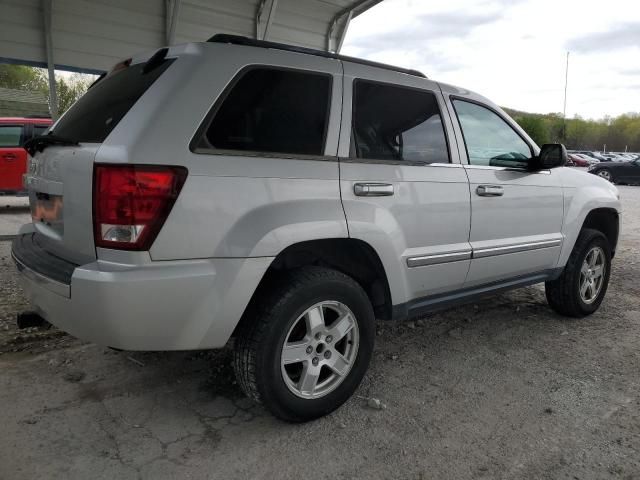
<point>607,221</point>
<point>353,257</point>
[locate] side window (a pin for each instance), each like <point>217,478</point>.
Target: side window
<point>270,110</point>
<point>396,123</point>
<point>11,135</point>
<point>39,130</point>
<point>489,139</point>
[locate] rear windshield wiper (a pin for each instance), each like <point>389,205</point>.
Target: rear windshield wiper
<point>39,143</point>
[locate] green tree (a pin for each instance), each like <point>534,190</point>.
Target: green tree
<point>71,90</point>
<point>21,77</point>
<point>535,128</point>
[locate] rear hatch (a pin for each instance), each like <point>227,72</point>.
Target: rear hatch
<point>60,177</point>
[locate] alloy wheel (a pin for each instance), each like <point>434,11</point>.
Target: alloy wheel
<point>606,174</point>
<point>592,275</point>
<point>320,349</point>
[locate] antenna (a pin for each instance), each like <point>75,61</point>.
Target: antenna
<point>564,111</point>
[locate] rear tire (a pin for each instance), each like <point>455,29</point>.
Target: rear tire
<point>580,289</point>
<point>297,335</point>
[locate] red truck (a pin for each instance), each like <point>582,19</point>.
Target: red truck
<point>14,131</point>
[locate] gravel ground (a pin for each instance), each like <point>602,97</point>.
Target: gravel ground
<point>499,389</point>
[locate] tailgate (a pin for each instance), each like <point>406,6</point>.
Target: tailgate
<point>60,183</point>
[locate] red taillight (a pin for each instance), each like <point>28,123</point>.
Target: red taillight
<point>131,203</point>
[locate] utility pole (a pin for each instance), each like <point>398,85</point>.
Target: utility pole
<point>564,111</point>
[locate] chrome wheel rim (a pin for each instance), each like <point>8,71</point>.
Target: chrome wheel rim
<point>592,275</point>
<point>605,174</point>
<point>320,350</point>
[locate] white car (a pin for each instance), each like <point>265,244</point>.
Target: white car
<point>289,197</point>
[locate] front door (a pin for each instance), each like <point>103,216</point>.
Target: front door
<point>630,172</point>
<point>13,158</point>
<point>516,214</point>
<point>404,191</point>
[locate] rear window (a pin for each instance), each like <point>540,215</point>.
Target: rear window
<point>11,135</point>
<point>397,123</point>
<point>273,110</point>
<point>92,118</point>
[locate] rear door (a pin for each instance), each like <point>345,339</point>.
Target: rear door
<point>403,189</point>
<point>13,158</point>
<point>516,214</point>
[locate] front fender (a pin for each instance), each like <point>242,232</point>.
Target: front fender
<point>583,193</point>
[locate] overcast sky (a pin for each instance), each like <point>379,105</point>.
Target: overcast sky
<point>514,51</point>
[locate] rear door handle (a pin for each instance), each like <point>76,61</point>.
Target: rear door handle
<point>373,189</point>
<point>489,191</point>
<point>9,156</point>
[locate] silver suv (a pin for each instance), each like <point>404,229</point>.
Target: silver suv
<point>288,198</point>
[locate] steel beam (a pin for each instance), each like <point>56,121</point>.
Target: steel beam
<point>263,32</point>
<point>47,12</point>
<point>172,12</point>
<point>343,31</point>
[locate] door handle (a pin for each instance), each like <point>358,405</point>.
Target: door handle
<point>373,189</point>
<point>489,191</point>
<point>9,156</point>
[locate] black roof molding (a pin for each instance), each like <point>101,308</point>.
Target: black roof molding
<point>250,42</point>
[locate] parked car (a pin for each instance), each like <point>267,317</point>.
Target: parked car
<point>618,172</point>
<point>588,159</point>
<point>578,160</point>
<point>594,155</point>
<point>289,197</point>
<point>14,132</point>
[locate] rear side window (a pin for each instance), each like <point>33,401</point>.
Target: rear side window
<point>271,110</point>
<point>397,123</point>
<point>11,135</point>
<point>92,118</point>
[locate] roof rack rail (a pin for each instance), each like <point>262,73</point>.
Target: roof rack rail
<point>240,40</point>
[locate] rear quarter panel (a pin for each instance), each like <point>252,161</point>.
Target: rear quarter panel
<point>232,204</point>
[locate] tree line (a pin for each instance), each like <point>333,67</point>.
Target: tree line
<point>615,134</point>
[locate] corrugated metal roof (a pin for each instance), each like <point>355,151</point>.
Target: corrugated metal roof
<point>94,35</point>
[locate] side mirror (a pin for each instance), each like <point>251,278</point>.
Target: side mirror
<point>551,155</point>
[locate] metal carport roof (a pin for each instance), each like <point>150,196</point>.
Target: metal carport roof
<point>91,36</point>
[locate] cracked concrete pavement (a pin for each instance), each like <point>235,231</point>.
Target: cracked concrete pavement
<point>503,388</point>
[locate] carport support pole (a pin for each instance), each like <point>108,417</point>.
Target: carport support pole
<point>48,39</point>
<point>261,33</point>
<point>336,33</point>
<point>172,12</point>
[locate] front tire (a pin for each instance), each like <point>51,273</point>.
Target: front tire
<point>305,344</point>
<point>580,289</point>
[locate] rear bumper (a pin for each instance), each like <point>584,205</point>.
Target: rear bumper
<point>169,305</point>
